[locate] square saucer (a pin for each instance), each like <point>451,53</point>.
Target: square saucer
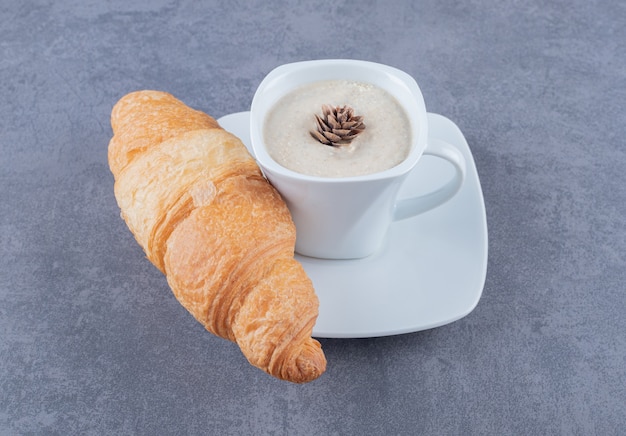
<point>430,271</point>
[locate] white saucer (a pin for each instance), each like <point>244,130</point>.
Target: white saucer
<point>431,270</point>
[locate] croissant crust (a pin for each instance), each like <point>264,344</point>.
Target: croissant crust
<point>197,203</point>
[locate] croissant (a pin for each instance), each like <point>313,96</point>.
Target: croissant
<point>198,204</point>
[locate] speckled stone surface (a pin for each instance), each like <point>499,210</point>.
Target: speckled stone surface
<point>93,342</point>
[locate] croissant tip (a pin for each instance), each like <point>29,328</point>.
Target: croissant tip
<point>309,365</point>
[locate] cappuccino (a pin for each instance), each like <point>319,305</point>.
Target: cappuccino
<point>384,143</point>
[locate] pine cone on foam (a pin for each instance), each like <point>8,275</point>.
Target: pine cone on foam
<point>337,125</point>
<point>197,203</point>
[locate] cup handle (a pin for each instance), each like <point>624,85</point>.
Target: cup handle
<point>417,205</point>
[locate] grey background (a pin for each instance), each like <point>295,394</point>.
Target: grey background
<point>92,340</point>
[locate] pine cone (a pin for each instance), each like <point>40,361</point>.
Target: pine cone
<point>337,125</point>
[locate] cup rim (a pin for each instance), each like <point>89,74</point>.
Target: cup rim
<point>283,72</point>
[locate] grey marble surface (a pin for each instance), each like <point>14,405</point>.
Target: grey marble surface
<point>93,342</point>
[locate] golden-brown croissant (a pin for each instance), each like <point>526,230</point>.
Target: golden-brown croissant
<point>196,201</point>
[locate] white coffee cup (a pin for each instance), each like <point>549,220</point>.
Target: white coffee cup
<point>348,217</point>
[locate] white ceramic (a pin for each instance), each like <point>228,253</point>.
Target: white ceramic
<point>348,218</point>
<point>430,270</point>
